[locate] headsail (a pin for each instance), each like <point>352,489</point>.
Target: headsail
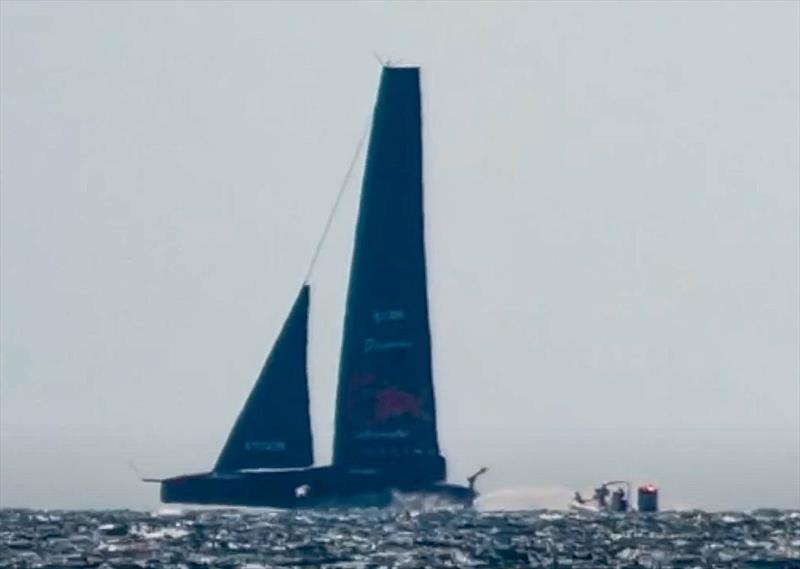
<point>274,429</point>
<point>386,414</point>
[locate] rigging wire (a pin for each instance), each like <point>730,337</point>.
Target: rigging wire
<point>337,202</point>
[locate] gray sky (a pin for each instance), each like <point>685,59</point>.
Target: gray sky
<point>613,212</point>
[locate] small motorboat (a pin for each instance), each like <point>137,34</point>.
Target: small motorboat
<point>614,496</point>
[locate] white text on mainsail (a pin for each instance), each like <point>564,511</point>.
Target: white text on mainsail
<point>373,345</point>
<point>371,435</point>
<point>387,315</point>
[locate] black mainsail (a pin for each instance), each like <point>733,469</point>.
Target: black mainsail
<point>385,415</point>
<point>274,428</point>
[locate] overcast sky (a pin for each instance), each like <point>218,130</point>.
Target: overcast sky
<point>613,209</point>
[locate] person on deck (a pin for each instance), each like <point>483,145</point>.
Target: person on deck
<point>600,495</point>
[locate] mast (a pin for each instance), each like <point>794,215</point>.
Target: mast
<point>386,413</point>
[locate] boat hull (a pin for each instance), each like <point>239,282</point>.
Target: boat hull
<point>584,507</point>
<point>322,487</point>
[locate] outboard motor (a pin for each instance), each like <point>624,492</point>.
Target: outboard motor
<point>648,498</point>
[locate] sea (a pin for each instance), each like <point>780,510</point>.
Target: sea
<point>397,538</point>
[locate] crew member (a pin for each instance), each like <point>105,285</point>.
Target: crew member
<point>600,495</point>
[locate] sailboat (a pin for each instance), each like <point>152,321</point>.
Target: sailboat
<point>385,440</point>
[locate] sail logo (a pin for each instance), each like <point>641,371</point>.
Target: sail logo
<point>387,315</point>
<point>268,446</point>
<point>393,402</point>
<point>373,345</point>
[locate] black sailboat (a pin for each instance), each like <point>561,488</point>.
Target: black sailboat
<point>385,439</point>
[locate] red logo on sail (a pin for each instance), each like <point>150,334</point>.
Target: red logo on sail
<point>393,402</point>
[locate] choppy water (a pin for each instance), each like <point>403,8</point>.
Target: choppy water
<point>393,539</point>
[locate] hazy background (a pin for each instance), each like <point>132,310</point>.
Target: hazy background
<point>613,223</point>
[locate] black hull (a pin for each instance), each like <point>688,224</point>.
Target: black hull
<point>324,487</point>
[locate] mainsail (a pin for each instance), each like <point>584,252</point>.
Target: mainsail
<point>385,414</point>
<point>274,429</point>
